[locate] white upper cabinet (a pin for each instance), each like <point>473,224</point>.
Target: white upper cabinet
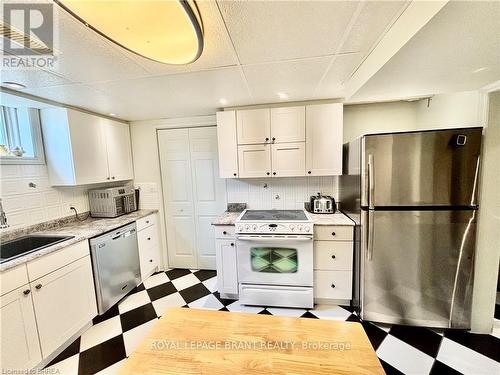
<point>227,142</point>
<point>253,126</point>
<point>85,149</point>
<point>324,125</point>
<point>288,159</point>
<point>288,124</point>
<point>254,160</point>
<point>119,150</point>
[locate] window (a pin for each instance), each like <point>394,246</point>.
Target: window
<point>20,136</point>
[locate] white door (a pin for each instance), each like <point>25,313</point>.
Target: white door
<point>64,302</point>
<point>177,185</point>
<point>193,193</point>
<point>288,159</point>
<point>324,132</point>
<point>253,126</point>
<point>288,124</point>
<point>254,160</point>
<point>209,192</point>
<point>227,268</point>
<point>227,143</point>
<point>119,150</point>
<point>19,338</point>
<point>88,145</point>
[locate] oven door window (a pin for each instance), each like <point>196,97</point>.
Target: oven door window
<point>274,259</point>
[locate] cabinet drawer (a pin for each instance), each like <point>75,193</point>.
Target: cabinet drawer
<point>333,255</point>
<point>332,233</point>
<point>60,258</point>
<point>148,237</point>
<point>333,284</point>
<point>224,231</point>
<point>13,278</point>
<point>146,222</point>
<point>149,261</point>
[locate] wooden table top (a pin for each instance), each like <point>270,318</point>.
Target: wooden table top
<point>192,341</point>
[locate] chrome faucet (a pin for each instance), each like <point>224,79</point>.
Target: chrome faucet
<point>3,217</point>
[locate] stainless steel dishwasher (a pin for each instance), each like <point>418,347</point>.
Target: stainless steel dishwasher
<point>115,260</point>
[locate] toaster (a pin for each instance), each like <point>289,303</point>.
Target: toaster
<point>322,204</point>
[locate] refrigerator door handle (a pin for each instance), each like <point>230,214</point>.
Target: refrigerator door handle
<point>371,184</point>
<point>369,245</point>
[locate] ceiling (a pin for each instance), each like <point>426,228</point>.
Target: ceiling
<point>255,50</point>
<point>458,50</point>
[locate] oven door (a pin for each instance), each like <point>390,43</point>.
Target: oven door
<point>275,260</point>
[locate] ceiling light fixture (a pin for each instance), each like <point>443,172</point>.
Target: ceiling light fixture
<point>283,95</point>
<point>13,85</point>
<point>165,31</point>
<point>480,70</point>
<point>112,114</point>
<point>223,101</point>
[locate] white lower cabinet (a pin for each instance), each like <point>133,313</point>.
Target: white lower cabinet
<point>19,339</point>
<point>64,302</point>
<point>227,267</point>
<point>333,284</point>
<point>54,299</point>
<point>147,238</point>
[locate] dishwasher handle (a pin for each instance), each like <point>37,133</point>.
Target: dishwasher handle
<point>124,234</point>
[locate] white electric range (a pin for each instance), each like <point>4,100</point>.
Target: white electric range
<point>275,258</point>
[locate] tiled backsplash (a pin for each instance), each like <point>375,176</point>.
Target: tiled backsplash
<point>279,193</point>
<point>25,205</point>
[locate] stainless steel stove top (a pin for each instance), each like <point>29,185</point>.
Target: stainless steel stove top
<point>274,222</point>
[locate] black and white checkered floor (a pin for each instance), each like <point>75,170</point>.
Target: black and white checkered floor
<point>408,350</point>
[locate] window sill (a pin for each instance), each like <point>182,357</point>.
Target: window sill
<point>21,161</point>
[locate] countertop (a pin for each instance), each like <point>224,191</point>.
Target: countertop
<point>81,230</point>
<point>228,218</point>
<point>192,341</point>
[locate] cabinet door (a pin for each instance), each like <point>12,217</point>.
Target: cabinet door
<point>288,159</point>
<point>228,148</point>
<point>254,160</point>
<point>288,124</point>
<point>227,269</point>
<point>88,145</point>
<point>147,239</point>
<point>19,339</point>
<point>324,124</point>
<point>119,150</point>
<point>253,126</point>
<point>64,302</point>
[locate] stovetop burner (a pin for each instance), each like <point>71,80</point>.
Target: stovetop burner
<point>277,215</point>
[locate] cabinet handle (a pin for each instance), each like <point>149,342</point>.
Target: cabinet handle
<point>235,174</point>
<point>107,178</point>
<point>26,292</point>
<point>224,232</point>
<point>113,177</point>
<point>38,286</point>
<point>333,285</point>
<point>267,139</point>
<point>232,243</point>
<point>147,221</point>
<point>151,261</point>
<point>308,172</point>
<point>274,139</point>
<point>149,238</point>
<point>268,173</point>
<point>333,233</point>
<point>333,256</point>
<point>274,173</point>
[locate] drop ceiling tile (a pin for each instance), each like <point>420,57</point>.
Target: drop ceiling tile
<point>32,78</point>
<point>217,51</point>
<point>282,30</point>
<point>298,78</point>
<point>179,94</point>
<point>341,69</point>
<point>371,23</point>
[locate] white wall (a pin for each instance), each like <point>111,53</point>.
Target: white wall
<point>488,244</point>
<point>26,205</point>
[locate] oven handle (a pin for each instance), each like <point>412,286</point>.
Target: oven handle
<point>265,238</point>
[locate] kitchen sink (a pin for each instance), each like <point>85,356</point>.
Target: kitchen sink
<point>24,245</point>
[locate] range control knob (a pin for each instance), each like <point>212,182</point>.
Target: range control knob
<point>299,227</point>
<point>254,227</point>
<point>307,229</point>
<point>292,227</point>
<point>247,227</point>
<point>240,228</point>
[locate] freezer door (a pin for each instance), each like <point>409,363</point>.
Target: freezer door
<point>431,168</point>
<point>417,267</point>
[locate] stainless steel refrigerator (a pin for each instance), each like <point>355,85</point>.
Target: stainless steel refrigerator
<point>413,196</point>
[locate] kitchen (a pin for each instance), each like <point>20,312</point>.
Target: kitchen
<point>349,179</point>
